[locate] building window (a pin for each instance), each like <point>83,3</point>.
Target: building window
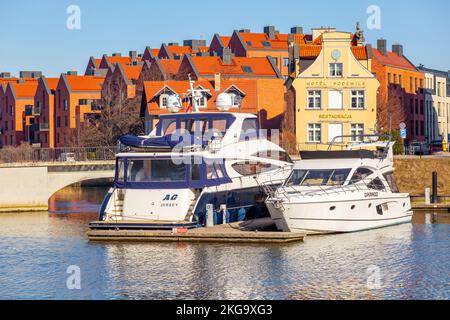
<point>266,44</point>
<point>357,132</point>
<point>358,99</point>
<point>163,99</point>
<point>58,122</point>
<point>336,69</point>
<point>421,107</point>
<point>335,99</point>
<point>395,78</point>
<point>286,62</point>
<point>389,78</point>
<point>314,132</point>
<point>236,98</point>
<point>314,99</point>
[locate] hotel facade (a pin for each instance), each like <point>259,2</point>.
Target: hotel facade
<point>336,94</point>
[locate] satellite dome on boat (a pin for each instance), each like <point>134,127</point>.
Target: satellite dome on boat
<point>174,104</point>
<point>224,101</point>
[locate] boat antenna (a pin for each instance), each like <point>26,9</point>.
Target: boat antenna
<point>194,100</point>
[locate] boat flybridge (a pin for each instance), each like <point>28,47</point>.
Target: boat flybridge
<point>189,161</point>
<point>341,191</point>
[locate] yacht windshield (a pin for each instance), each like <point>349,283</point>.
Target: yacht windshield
<point>155,170</point>
<point>328,177</point>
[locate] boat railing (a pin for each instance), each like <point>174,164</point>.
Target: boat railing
<point>364,185</point>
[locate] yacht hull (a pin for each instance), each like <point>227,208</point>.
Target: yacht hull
<point>340,216</point>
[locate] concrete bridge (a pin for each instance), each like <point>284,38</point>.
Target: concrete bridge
<point>28,187</point>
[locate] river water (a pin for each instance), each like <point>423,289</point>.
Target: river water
<point>37,250</point>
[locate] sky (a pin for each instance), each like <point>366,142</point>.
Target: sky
<point>34,34</point>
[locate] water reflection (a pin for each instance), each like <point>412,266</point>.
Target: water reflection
<point>37,248</point>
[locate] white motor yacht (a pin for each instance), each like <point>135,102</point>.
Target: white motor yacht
<point>340,191</point>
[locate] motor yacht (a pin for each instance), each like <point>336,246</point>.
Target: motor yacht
<point>189,161</point>
<point>338,191</point>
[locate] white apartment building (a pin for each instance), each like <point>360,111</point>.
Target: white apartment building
<point>437,104</point>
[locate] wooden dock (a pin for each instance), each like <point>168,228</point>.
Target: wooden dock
<point>232,233</point>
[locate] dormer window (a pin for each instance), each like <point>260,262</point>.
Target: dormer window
<point>249,43</point>
<point>236,98</point>
<point>266,44</point>
<point>203,102</point>
<point>163,99</point>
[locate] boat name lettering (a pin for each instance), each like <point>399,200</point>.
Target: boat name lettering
<point>170,197</point>
<point>371,194</point>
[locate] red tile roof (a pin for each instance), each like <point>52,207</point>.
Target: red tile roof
<point>132,72</point>
<point>170,66</point>
<point>392,59</point>
<point>52,83</point>
<point>225,40</point>
<point>179,50</point>
<point>257,40</point>
<point>25,90</point>
<point>213,65</point>
<point>247,87</point>
<point>85,83</point>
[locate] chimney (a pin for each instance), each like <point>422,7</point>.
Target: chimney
<point>133,55</point>
<point>382,46</point>
<point>398,49</point>
<point>195,44</point>
<point>5,75</point>
<point>226,55</point>
<point>270,31</point>
<point>72,73</point>
<point>171,44</point>
<point>30,74</point>
<point>97,72</point>
<point>297,30</point>
<point>217,82</point>
<point>116,54</point>
<point>20,80</point>
<point>244,31</point>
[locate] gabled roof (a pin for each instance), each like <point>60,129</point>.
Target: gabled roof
<point>393,60</point>
<point>225,40</point>
<point>240,66</point>
<point>132,72</point>
<point>84,83</point>
<point>174,50</point>
<point>170,67</point>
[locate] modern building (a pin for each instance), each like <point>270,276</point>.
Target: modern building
<point>218,42</point>
<point>401,97</point>
<point>335,92</point>
<point>437,104</point>
<point>157,70</point>
<point>44,105</point>
<point>18,111</point>
<point>75,98</point>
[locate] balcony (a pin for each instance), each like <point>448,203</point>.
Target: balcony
<point>44,127</point>
<point>34,127</point>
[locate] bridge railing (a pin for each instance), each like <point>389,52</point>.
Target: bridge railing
<point>22,155</point>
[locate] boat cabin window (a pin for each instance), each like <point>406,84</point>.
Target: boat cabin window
<point>331,177</point>
<point>219,125</point>
<point>377,184</point>
<point>249,130</point>
<point>252,168</point>
<point>155,170</point>
<point>274,155</point>
<point>120,170</point>
<point>392,182</point>
<point>360,174</point>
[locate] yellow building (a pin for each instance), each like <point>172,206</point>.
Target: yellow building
<point>336,94</point>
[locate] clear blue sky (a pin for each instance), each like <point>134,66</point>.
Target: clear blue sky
<point>34,36</point>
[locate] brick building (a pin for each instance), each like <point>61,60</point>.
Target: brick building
<point>44,102</point>
<point>401,95</point>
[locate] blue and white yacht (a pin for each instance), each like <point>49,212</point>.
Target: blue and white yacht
<point>188,161</point>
